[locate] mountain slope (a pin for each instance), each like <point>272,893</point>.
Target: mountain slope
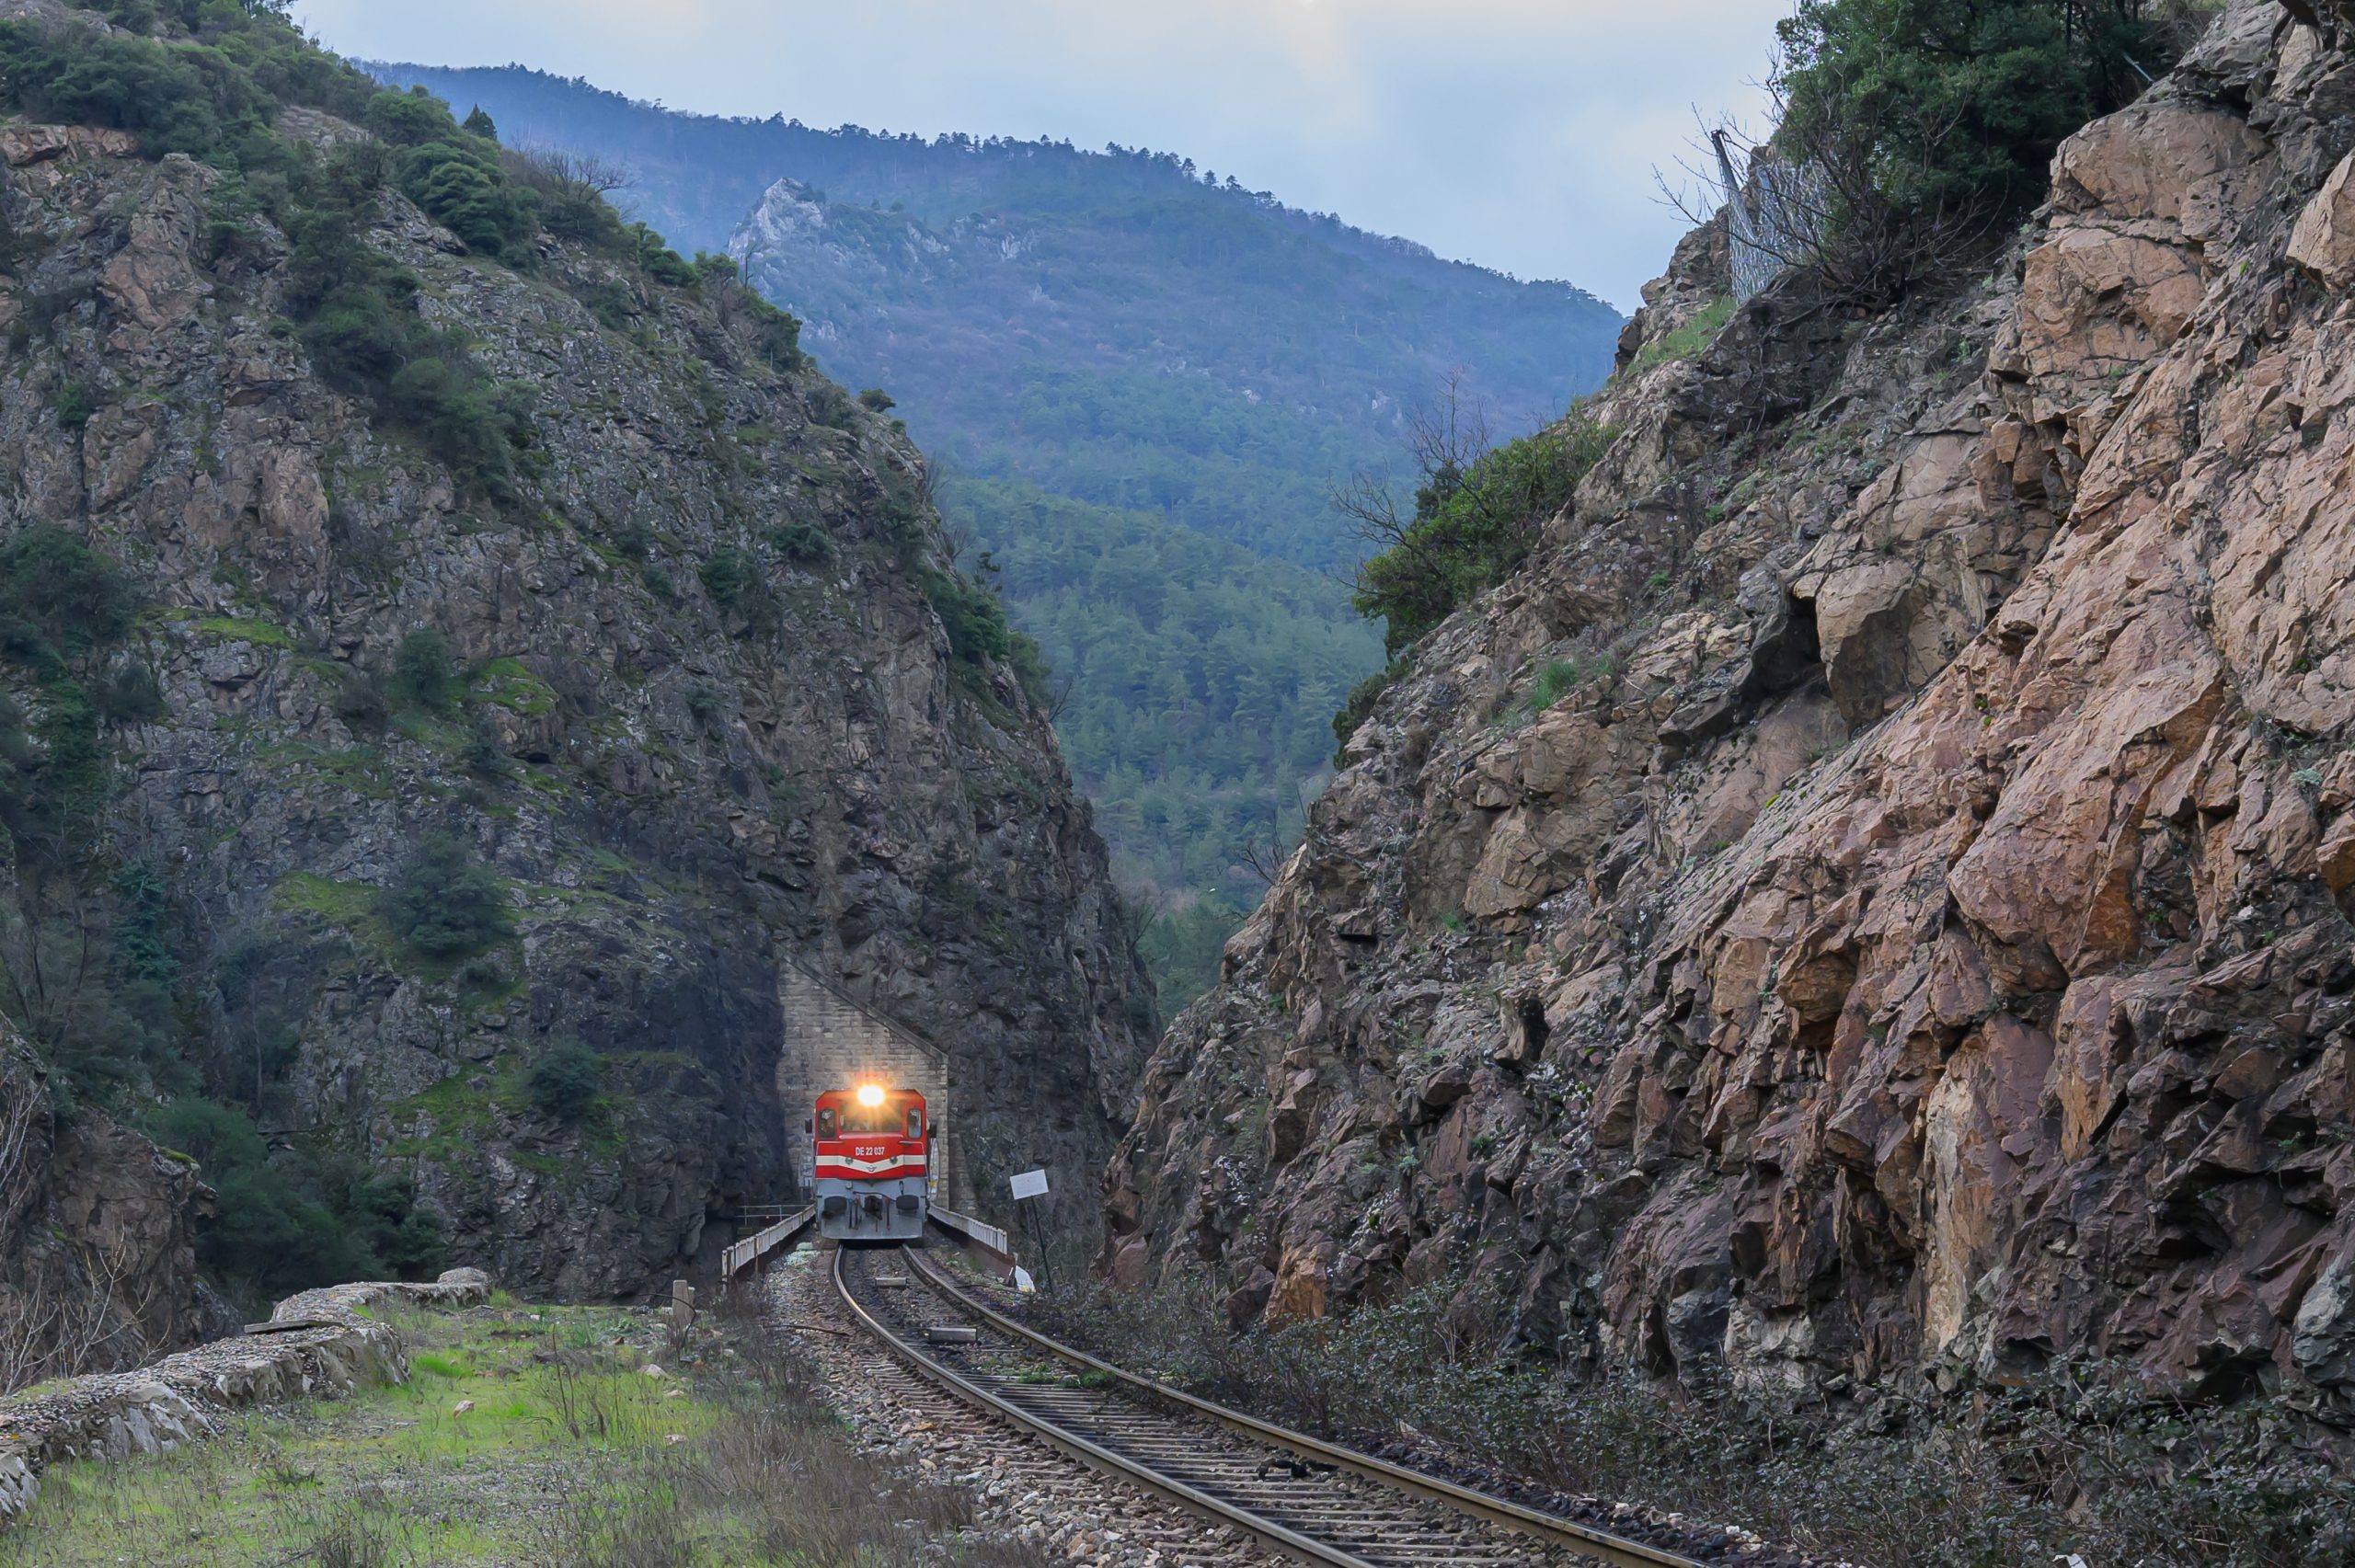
<point>460,662</point>
<point>1910,948</point>
<point>1109,328</point>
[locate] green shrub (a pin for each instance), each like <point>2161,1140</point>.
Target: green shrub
<point>74,406</point>
<point>484,756</point>
<point>296,1219</point>
<point>409,118</point>
<point>175,97</point>
<point>573,210</point>
<point>803,543</point>
<point>1950,111</point>
<point>1359,705</point>
<point>444,907</point>
<point>425,673</point>
<point>635,540</point>
<point>831,406</point>
<point>462,185</point>
<point>776,334</point>
<point>1472,526</point>
<point>130,694</point>
<point>659,261</point>
<point>727,574</point>
<point>878,399</point>
<point>471,422</point>
<point>60,594</point>
<point>972,615</point>
<point>565,1081</point>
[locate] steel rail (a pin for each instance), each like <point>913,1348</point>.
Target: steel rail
<point>1265,1532</point>
<point>1617,1551</point>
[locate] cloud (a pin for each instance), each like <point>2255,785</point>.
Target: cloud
<point>1518,133</point>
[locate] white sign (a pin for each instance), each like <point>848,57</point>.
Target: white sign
<point>1030,1183</point>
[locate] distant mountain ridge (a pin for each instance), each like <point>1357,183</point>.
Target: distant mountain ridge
<point>1198,363</point>
<point>1527,348</point>
<point>870,165</point>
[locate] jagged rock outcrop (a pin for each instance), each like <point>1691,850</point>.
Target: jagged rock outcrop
<point>708,719</point>
<point>1922,941</point>
<point>97,1237</point>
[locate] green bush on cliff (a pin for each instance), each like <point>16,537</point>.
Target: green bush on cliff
<point>727,574</point>
<point>61,604</point>
<point>175,98</point>
<point>461,183</point>
<point>803,543</point>
<point>445,906</point>
<point>1360,706</point>
<point>296,1219</point>
<point>972,615</point>
<point>1474,523</point>
<point>425,673</point>
<point>565,1081</point>
<point>1949,110</point>
<point>56,591</point>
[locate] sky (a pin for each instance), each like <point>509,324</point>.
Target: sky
<point>1521,134</point>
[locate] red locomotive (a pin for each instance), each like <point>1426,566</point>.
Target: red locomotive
<point>872,1163</point>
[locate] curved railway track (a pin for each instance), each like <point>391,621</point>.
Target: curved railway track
<point>1294,1495</point>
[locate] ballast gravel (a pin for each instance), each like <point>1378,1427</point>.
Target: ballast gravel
<point>1022,1489</point>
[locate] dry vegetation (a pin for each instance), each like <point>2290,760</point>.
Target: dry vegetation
<point>2080,1462</point>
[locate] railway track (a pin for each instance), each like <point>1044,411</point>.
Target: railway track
<point>1292,1494</point>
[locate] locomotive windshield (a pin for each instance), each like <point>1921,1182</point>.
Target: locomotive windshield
<point>876,1119</point>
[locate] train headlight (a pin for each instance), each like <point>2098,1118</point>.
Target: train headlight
<point>870,1095</point>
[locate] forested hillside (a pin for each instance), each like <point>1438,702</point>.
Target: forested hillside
<point>1145,364</point>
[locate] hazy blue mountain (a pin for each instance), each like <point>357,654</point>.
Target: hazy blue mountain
<point>1142,387</point>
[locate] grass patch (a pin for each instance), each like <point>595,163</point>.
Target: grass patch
<point>260,634</point>
<point>484,978</point>
<point>351,905</point>
<point>558,1426</point>
<point>360,769</point>
<point>1686,340</point>
<point>523,1438</point>
<point>504,682</point>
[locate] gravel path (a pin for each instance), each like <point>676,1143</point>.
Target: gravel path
<point>1021,1487</point>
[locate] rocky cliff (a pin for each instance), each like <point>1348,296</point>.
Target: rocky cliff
<point>659,661</point>
<point>98,1233</point>
<point>1872,896</point>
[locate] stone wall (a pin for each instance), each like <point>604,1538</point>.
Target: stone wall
<point>315,1343</point>
<point>831,1042</point>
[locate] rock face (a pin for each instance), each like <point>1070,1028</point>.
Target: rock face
<point>98,1233</point>
<point>1921,941</point>
<point>711,721</point>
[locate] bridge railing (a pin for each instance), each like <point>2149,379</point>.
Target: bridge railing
<point>742,1257</point>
